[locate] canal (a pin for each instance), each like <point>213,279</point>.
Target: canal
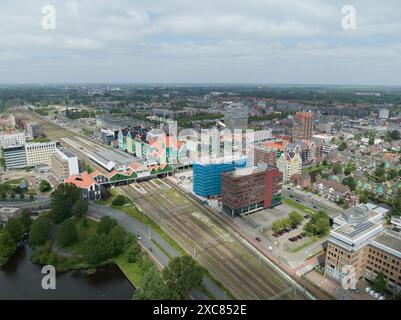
<point>21,279</point>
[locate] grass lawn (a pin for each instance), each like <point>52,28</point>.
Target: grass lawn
<point>132,271</point>
<point>8,186</point>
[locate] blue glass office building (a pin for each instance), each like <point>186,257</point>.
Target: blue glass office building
<point>207,177</point>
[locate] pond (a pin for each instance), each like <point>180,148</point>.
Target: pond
<point>21,279</point>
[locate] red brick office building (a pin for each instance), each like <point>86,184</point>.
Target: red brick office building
<point>251,189</point>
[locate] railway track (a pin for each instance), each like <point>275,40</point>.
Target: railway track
<point>214,246</point>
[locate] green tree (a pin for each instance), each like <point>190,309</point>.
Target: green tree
<point>182,275</point>
<point>120,200</point>
<point>15,229</point>
<point>371,141</point>
<point>64,198</point>
<point>80,208</point>
<point>67,233</point>
<point>133,252</point>
<point>40,231</point>
<point>342,146</point>
<point>379,172</point>
<point>154,287</point>
<point>392,174</point>
<point>96,249</point>
<point>350,182</point>
<point>318,225</point>
<point>7,247</point>
<point>379,284</point>
<point>3,196</point>
<point>105,225</point>
<point>26,220</point>
<point>395,135</point>
<point>396,207</point>
<point>31,197</point>
<point>295,218</point>
<point>337,168</point>
<point>116,240</point>
<point>44,186</point>
<point>363,198</point>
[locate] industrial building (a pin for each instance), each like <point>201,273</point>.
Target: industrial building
<point>207,174</point>
<point>251,189</point>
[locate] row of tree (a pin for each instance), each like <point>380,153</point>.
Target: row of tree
<point>12,234</point>
<point>293,219</point>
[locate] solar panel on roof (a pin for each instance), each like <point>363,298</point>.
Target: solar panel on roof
<point>359,228</point>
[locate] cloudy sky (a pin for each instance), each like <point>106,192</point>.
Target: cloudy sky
<point>201,41</point>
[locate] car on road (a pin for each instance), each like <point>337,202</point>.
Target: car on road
<point>314,207</point>
<point>297,200</point>
<point>139,237</point>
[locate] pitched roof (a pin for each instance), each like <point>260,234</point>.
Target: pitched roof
<point>83,181</point>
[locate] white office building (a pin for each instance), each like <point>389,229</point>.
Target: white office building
<point>12,139</point>
<point>39,153</point>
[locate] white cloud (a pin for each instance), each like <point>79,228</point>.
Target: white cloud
<point>201,41</point>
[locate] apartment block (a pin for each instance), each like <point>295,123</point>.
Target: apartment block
<point>289,166</point>
<point>303,126</point>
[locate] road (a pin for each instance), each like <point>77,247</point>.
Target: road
<point>147,238</point>
<point>313,201</point>
<point>211,242</point>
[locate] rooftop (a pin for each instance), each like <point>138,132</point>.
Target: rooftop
<point>388,239</point>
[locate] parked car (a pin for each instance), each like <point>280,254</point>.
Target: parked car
<point>356,290</point>
<point>297,200</point>
<point>306,216</point>
<point>139,237</point>
<point>258,239</point>
<point>371,292</point>
<point>367,290</point>
<point>376,295</point>
<point>381,298</point>
<point>314,207</point>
